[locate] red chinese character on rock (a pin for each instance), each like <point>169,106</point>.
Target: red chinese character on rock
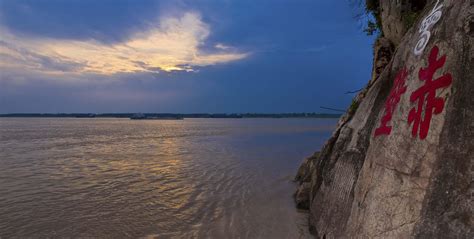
<point>391,103</point>
<point>425,96</point>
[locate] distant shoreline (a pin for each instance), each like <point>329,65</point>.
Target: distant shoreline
<point>168,115</point>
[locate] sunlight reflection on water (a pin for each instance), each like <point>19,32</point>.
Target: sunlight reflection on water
<point>170,179</point>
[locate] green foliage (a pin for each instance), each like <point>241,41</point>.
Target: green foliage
<point>371,28</point>
<point>409,16</point>
<point>354,106</point>
<point>372,7</point>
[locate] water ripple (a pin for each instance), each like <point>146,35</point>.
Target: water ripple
<point>116,178</point>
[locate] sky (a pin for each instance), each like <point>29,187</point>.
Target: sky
<point>196,56</point>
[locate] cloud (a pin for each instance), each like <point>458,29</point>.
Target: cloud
<point>14,56</point>
<point>222,46</point>
<point>174,45</point>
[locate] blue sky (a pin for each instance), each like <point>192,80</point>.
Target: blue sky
<point>218,56</point>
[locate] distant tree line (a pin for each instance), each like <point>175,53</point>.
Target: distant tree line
<point>169,115</point>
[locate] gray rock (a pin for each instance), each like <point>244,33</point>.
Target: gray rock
<point>383,52</point>
<point>304,171</point>
<point>392,21</point>
<point>302,196</point>
<point>406,183</point>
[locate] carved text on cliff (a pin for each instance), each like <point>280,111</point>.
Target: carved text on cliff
<point>425,27</point>
<point>425,96</point>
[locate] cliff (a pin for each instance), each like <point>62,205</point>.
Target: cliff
<point>399,163</point>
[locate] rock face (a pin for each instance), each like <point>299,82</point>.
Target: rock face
<point>383,52</point>
<point>303,176</point>
<point>392,23</point>
<point>399,164</point>
<point>397,15</point>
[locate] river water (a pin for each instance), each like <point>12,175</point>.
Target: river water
<point>120,178</point>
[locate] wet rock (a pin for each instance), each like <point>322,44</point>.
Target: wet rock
<point>302,196</point>
<point>304,171</point>
<point>303,178</point>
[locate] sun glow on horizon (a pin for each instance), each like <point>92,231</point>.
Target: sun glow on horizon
<point>174,45</point>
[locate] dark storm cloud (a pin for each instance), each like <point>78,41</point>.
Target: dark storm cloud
<point>104,20</point>
<point>305,54</point>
